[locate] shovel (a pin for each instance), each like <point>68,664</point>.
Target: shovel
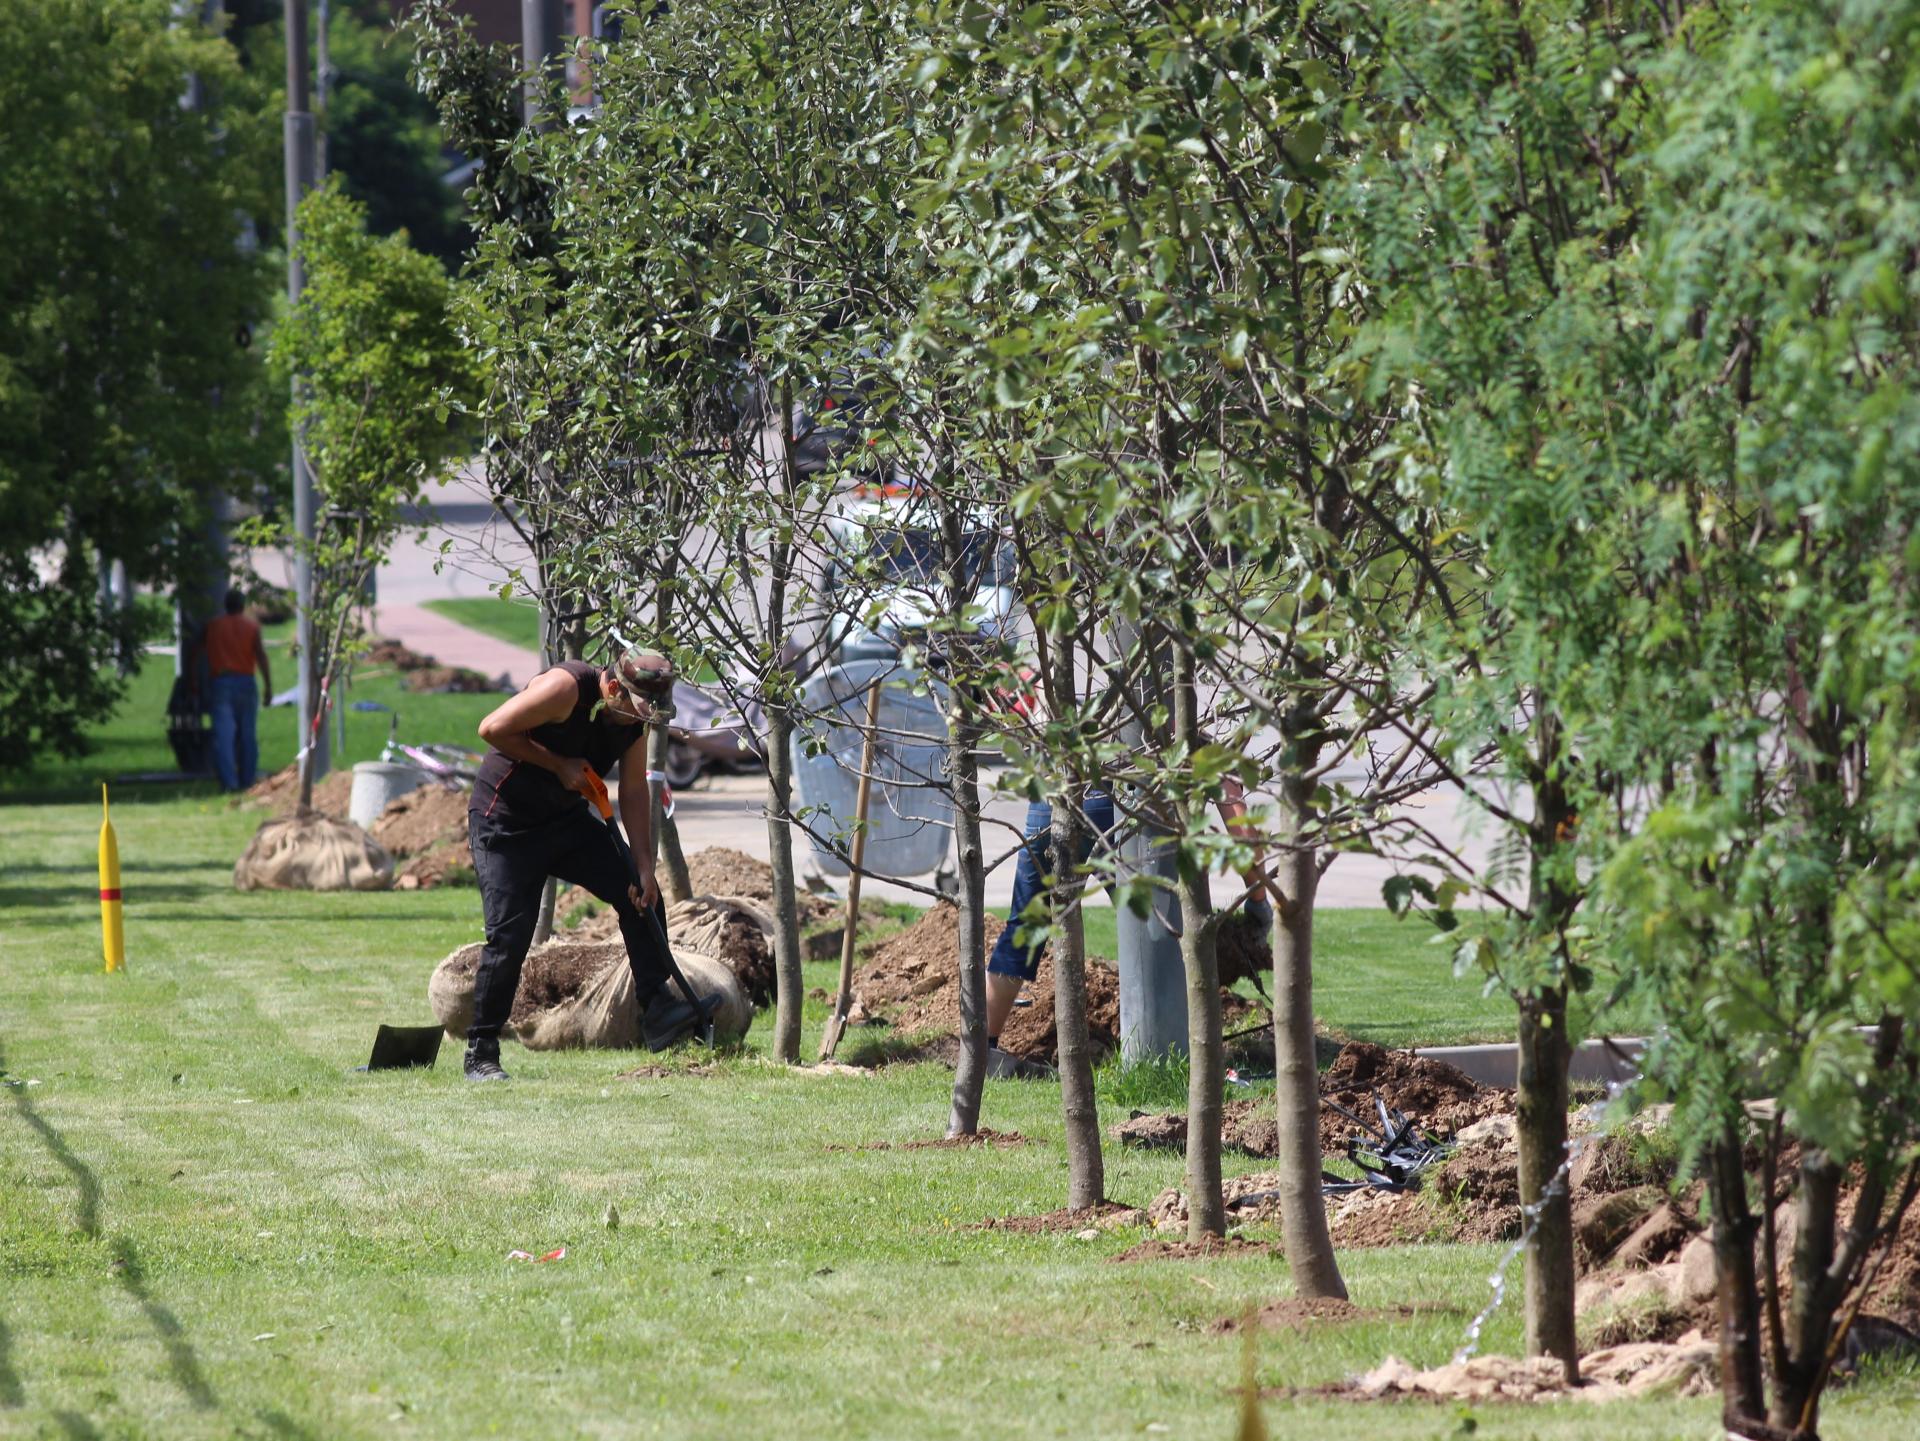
<point>837,1022</point>
<point>596,792</point>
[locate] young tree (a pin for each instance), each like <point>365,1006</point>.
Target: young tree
<point>1764,901</point>
<point>376,360</point>
<point>1492,248</point>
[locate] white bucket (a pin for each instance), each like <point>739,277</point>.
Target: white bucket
<point>375,785</point>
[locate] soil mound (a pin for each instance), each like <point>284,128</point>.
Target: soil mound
<point>425,817</point>
<point>445,865</point>
<point>1107,1216</point>
<point>1208,1248</point>
<point>1247,1126</point>
<point>280,792</point>
<point>985,1136</point>
<point>1443,1098</point>
<point>722,871</point>
<point>559,971</point>
<point>910,982</point>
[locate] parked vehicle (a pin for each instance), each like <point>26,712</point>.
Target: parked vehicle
<point>882,583</point>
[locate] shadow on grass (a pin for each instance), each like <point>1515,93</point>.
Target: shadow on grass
<point>26,897</point>
<point>281,1424</point>
<point>12,1393</point>
<point>872,1046</point>
<point>72,1423</point>
<point>126,1266</point>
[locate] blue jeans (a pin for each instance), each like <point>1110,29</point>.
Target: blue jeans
<point>236,749</point>
<point>1009,958</point>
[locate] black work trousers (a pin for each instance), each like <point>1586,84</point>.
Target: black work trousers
<point>512,865</point>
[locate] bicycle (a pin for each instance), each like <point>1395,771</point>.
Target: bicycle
<point>452,766</point>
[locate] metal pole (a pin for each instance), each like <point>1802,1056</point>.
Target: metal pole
<point>323,83</point>
<point>539,49</point>
<point>196,601</point>
<point>1153,977</point>
<point>301,171</point>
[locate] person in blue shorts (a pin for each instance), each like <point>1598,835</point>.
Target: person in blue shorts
<point>1012,964</point>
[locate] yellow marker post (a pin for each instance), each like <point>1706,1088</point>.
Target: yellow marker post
<point>113,935</point>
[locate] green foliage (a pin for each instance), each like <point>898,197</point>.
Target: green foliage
<point>383,137</point>
<point>127,396</point>
<point>375,359</point>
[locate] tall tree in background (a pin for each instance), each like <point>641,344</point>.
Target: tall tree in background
<point>379,364</point>
<point>126,306</point>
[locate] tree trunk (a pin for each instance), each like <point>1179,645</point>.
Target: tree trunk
<point>1303,1210</point>
<point>1736,1286</point>
<point>788,993</point>
<point>1540,1104</point>
<point>1206,1052</point>
<point>1086,1167</point>
<point>543,922</point>
<point>1810,1312</point>
<point>970,1071</point>
<point>676,882</point>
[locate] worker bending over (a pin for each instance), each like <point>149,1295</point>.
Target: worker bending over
<point>529,819</point>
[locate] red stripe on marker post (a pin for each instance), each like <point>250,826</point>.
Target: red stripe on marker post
<point>107,895</point>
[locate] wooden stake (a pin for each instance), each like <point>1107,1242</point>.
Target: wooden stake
<point>843,1002</point>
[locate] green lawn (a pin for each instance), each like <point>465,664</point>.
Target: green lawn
<point>212,1227</point>
<point>134,738</point>
<point>517,622</point>
<point>1376,978</point>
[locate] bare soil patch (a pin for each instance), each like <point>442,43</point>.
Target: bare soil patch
<point>428,816</point>
<point>1107,1216</point>
<point>1206,1249</point>
<point>984,1137</point>
<point>911,982</point>
<point>556,972</point>
<point>280,792</point>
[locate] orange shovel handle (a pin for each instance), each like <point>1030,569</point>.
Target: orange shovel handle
<point>595,790</point>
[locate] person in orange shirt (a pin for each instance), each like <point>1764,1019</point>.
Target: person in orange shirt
<point>233,647</point>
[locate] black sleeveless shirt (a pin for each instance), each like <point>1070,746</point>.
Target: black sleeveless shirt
<point>519,794</point>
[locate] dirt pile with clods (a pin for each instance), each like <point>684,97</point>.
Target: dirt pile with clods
<point>1247,1126</point>
<point>1443,1098</point>
<point>723,871</point>
<point>426,831</point>
<point>279,793</point>
<point>1243,950</point>
<point>911,981</point>
<point>423,673</point>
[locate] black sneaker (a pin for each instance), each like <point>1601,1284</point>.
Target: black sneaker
<point>483,1061</point>
<point>671,1018</point>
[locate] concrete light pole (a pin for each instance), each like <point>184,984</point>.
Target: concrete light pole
<point>540,33</point>
<point>1153,977</point>
<point>302,171</point>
